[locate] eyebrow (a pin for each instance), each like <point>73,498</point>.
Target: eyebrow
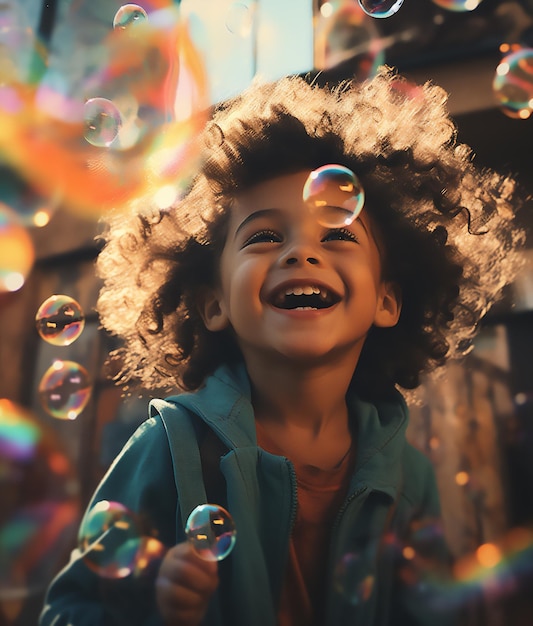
<point>256,215</point>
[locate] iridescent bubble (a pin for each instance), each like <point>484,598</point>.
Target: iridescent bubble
<point>334,194</point>
<point>380,8</point>
<point>65,389</point>
<point>513,84</point>
<point>40,505</point>
<point>17,252</point>
<point>458,5</point>
<point>102,122</point>
<point>353,580</point>
<point>129,15</point>
<point>60,320</point>
<point>109,540</point>
<point>239,19</point>
<point>211,531</point>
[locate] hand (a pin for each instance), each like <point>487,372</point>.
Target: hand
<point>184,586</point>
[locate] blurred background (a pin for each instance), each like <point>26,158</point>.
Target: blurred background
<point>86,89</point>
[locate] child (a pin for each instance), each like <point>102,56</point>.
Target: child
<point>291,337</point>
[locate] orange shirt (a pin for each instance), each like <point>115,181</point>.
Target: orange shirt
<point>320,495</point>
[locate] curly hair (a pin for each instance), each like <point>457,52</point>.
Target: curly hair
<point>446,227</point>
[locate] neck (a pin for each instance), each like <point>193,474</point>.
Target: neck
<point>310,399</point>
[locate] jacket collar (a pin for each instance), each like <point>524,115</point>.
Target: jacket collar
<point>224,403</point>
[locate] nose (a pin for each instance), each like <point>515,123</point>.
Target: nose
<point>300,253</point>
<point>293,260</point>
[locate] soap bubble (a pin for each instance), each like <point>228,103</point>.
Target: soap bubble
<point>129,15</point>
<point>239,20</point>
<point>40,506</point>
<point>353,580</point>
<point>102,122</point>
<point>513,83</point>
<point>60,320</point>
<point>17,252</point>
<point>65,389</point>
<point>458,5</point>
<point>109,539</point>
<point>211,531</point>
<point>380,8</point>
<point>334,194</point>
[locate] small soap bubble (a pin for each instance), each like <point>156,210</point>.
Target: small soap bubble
<point>60,320</point>
<point>458,5</point>
<point>129,15</point>
<point>513,84</point>
<point>380,8</point>
<point>17,252</point>
<point>334,194</point>
<point>65,389</point>
<point>239,20</point>
<point>102,122</point>
<point>353,580</point>
<point>211,531</point>
<point>110,539</point>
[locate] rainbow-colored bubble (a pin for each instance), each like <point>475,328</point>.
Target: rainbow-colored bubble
<point>144,101</point>
<point>65,389</point>
<point>17,252</point>
<point>513,83</point>
<point>380,8</point>
<point>211,531</point>
<point>60,320</point>
<point>334,195</point>
<point>112,544</point>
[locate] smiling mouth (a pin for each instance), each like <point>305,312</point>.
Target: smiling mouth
<point>308,297</point>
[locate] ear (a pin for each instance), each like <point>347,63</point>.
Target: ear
<point>211,309</point>
<point>389,305</point>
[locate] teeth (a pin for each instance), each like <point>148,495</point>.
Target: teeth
<point>308,290</point>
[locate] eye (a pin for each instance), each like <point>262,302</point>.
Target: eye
<point>263,236</point>
<point>340,234</point>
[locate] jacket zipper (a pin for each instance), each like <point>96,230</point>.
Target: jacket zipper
<point>294,503</point>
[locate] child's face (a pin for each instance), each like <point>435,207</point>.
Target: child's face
<point>293,288</point>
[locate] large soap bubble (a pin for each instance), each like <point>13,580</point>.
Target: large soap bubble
<point>334,194</point>
<point>211,531</point>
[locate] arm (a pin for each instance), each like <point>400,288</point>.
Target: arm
<point>141,478</point>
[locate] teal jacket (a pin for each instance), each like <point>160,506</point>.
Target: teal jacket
<point>170,465</point>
